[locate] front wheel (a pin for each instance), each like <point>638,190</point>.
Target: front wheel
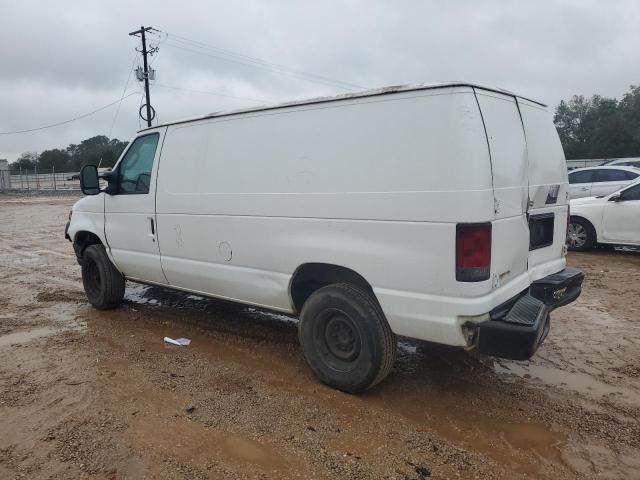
<point>345,338</point>
<point>103,283</point>
<point>581,235</point>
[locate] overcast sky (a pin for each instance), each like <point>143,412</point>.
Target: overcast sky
<point>62,59</point>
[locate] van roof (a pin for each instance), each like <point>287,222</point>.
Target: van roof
<point>345,96</point>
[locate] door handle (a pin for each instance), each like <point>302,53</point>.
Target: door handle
<point>153,227</point>
<point>584,189</point>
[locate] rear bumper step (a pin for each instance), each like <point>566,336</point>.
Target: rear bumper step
<point>558,289</point>
<point>519,326</point>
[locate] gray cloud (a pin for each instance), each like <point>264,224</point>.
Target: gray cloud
<point>61,59</point>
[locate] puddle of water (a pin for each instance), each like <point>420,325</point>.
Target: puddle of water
<point>138,293</point>
<point>578,382</point>
<point>156,296</point>
<point>193,441</point>
<point>26,336</point>
<point>159,432</point>
<point>64,317</point>
<point>262,314</point>
<point>597,460</point>
<point>62,312</point>
<point>521,447</point>
<point>585,382</point>
<point>247,450</point>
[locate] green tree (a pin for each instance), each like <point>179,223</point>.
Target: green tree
<point>55,159</point>
<point>98,150</point>
<point>26,161</point>
<point>630,110</point>
<point>600,127</point>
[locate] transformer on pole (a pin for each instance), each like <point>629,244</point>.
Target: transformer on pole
<point>145,74</point>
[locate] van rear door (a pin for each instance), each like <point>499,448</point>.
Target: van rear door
<point>548,191</point>
<point>508,151</point>
<point>530,187</point>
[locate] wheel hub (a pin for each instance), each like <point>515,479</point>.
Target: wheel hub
<point>341,338</point>
<point>577,235</point>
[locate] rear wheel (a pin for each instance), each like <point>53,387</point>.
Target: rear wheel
<point>581,235</point>
<point>103,283</point>
<point>345,338</point>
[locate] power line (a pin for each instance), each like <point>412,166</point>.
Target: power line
<point>156,48</point>
<point>241,56</point>
<point>79,117</point>
<point>272,68</point>
<point>218,94</point>
<point>135,57</point>
<point>187,44</point>
<point>140,106</point>
<point>238,62</point>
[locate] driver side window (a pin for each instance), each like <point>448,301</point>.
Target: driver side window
<point>134,172</point>
<point>632,193</point>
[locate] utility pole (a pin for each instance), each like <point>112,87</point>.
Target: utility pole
<point>151,113</point>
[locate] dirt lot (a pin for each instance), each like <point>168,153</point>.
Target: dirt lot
<point>88,394</point>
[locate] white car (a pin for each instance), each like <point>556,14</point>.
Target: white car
<point>626,162</point>
<point>612,219</point>
<point>351,212</point>
<point>602,180</point>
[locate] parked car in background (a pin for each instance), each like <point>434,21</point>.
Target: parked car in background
<point>612,219</point>
<point>602,180</point>
<point>624,162</point>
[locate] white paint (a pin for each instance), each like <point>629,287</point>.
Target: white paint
<point>375,183</point>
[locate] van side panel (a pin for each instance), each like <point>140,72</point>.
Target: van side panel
<point>365,183</point>
<point>415,152</point>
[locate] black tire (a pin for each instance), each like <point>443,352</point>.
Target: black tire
<point>581,235</point>
<point>345,338</point>
<point>103,283</point>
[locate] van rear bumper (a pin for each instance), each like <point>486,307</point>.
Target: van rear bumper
<point>519,326</point>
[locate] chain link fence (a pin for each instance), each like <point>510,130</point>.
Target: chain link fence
<point>47,180</point>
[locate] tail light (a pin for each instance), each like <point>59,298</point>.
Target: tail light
<point>473,252</point>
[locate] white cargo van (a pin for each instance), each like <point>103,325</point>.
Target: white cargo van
<point>436,212</point>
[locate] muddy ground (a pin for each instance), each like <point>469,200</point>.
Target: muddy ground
<point>88,394</point>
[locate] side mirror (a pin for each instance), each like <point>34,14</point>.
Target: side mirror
<point>89,183</point>
<point>615,198</point>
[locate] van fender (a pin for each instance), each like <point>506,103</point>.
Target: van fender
<point>309,277</point>
<point>91,223</point>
